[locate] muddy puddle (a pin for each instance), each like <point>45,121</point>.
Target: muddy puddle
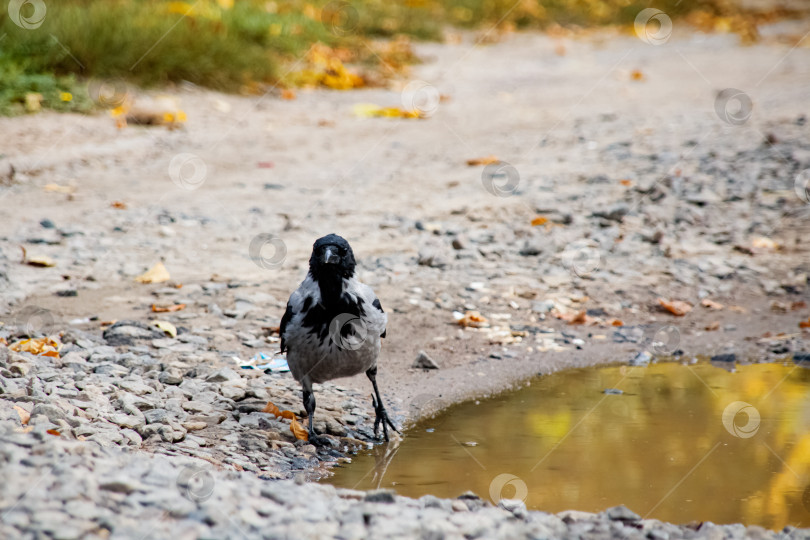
<point>675,441</point>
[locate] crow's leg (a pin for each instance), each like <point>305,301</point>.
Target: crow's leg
<point>309,405</point>
<point>379,409</point>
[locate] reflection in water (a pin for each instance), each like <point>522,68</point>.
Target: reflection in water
<point>681,443</point>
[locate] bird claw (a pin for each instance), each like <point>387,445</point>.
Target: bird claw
<point>381,418</point>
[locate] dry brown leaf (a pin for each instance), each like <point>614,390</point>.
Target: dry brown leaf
<point>615,322</point>
<point>167,309</point>
<point>711,304</point>
<point>53,432</point>
<point>43,346</point>
<point>539,220</point>
<point>678,308</point>
<point>156,274</point>
<point>626,182</point>
<point>298,431</point>
<point>636,75</point>
<point>119,205</point>
<point>25,416</point>
<point>473,319</point>
<point>482,161</point>
<point>801,304</point>
<point>712,326</point>
<point>805,324</point>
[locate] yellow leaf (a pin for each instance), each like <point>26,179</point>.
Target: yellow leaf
<point>40,260</point>
<point>167,327</point>
<point>66,96</point>
<point>156,274</point>
<point>43,346</point>
<point>482,161</point>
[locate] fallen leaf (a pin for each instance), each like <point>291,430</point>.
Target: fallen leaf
<point>297,429</point>
<point>626,182</point>
<point>369,110</point>
<point>473,319</point>
<point>25,416</point>
<point>678,308</point>
<point>60,189</point>
<point>166,327</point>
<point>43,346</point>
<point>636,75</point>
<point>167,309</point>
<point>805,324</point>
<point>119,205</point>
<point>40,261</point>
<point>711,327</point>
<point>615,322</point>
<point>762,242</point>
<point>539,220</point>
<point>3,341</point>
<point>53,432</point>
<point>156,274</point>
<point>482,161</point>
<point>801,304</point>
<point>711,304</point>
<point>286,93</point>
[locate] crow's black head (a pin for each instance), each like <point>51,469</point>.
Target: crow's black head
<point>331,256</point>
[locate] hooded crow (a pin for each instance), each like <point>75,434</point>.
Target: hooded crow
<point>333,327</point>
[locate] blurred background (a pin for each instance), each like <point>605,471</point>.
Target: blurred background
<point>49,50</point>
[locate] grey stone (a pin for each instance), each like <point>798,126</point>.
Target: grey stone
<point>424,361</point>
<point>222,375</point>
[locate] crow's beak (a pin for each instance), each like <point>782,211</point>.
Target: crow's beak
<point>330,257</point>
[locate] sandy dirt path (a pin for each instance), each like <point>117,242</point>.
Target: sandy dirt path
<point>595,127</point>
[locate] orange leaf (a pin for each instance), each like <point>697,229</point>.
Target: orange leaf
<point>805,324</point>
<point>474,320</point>
<point>53,432</point>
<point>710,304</point>
<point>298,431</point>
<point>482,161</point>
<point>539,220</point>
<point>167,309</point>
<point>25,416</point>
<point>286,93</point>
<point>616,322</point>
<point>676,307</point>
<point>626,182</point>
<point>636,75</point>
<point>119,205</point>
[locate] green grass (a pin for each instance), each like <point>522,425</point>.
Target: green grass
<point>239,46</point>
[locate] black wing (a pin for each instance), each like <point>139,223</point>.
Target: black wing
<point>283,326</point>
<point>376,304</point>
